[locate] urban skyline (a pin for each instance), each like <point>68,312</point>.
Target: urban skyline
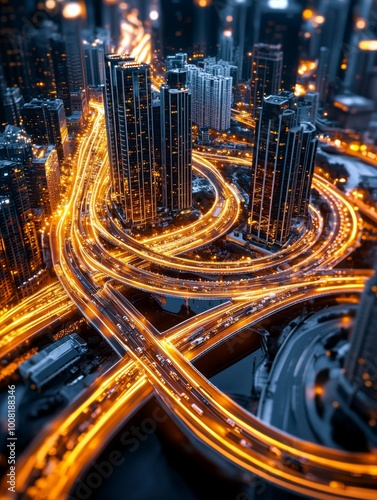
<point>188,248</point>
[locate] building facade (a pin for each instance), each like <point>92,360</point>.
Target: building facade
<point>45,174</point>
<point>45,121</point>
<point>129,121</point>
<point>211,98</point>
<point>266,73</point>
<point>282,169</point>
<point>176,137</point>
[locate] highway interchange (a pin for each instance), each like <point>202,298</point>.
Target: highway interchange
<point>90,273</point>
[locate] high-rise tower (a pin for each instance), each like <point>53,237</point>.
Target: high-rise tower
<point>45,121</point>
<point>129,122</point>
<point>282,168</point>
<point>73,15</point>
<point>279,22</point>
<point>189,26</point>
<point>176,137</point>
<point>18,234</point>
<point>266,70</point>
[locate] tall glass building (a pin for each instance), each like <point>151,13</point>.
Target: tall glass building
<point>266,70</point>
<point>282,169</point>
<point>176,136</point>
<point>129,122</point>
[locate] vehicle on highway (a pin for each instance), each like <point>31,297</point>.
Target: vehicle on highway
<point>197,409</point>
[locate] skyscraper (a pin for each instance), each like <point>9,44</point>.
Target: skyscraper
<point>266,71</point>
<point>111,18</point>
<point>18,235</point>
<point>45,176</point>
<point>176,137</point>
<point>282,168</point>
<point>189,26</point>
<point>360,370</point>
<point>226,46</point>
<point>322,76</point>
<point>305,168</point>
<point>129,122</point>
<point>94,55</point>
<point>12,102</point>
<point>43,75</point>
<point>60,64</point>
<point>279,22</point>
<point>73,14</point>
<point>45,121</point>
<point>13,46</point>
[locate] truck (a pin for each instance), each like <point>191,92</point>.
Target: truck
<point>197,409</point>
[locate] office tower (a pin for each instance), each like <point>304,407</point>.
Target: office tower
<point>244,26</point>
<point>94,56</point>
<point>283,162</point>
<point>111,18</point>
<point>12,102</point>
<point>13,46</point>
<point>157,140</point>
<point>280,23</point>
<point>129,122</point>
<point>73,16</point>
<point>211,98</point>
<point>41,61</point>
<point>18,235</point>
<point>330,31</point>
<point>307,149</point>
<point>45,178</point>
<point>189,26</point>
<point>60,64</point>
<point>176,137</point>
<point>226,46</point>
<point>206,27</point>
<point>322,76</point>
<point>266,73</point>
<point>45,121</point>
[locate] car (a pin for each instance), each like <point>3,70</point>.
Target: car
<point>245,443</point>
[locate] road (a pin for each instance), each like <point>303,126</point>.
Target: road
<point>90,272</point>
